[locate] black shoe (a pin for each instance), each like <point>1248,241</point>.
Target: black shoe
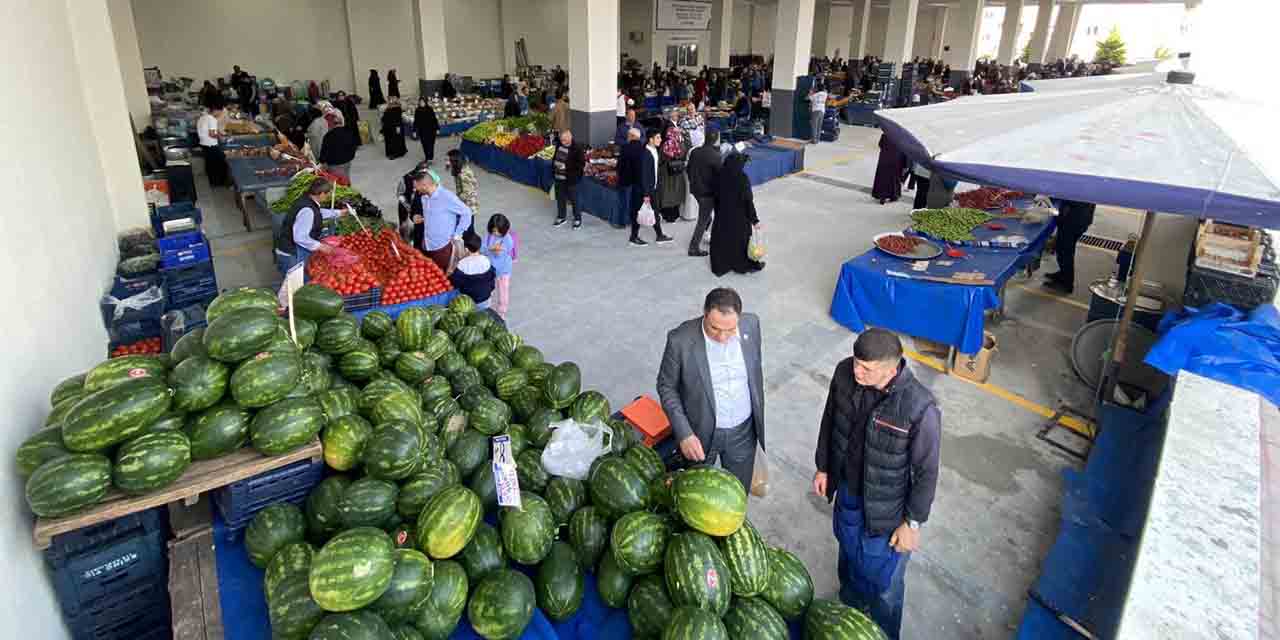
<point>618,226</point>
<point>1054,277</point>
<point>1058,287</point>
<point>577,223</point>
<point>663,239</point>
<point>698,253</point>
<point>558,222</point>
<point>637,242</point>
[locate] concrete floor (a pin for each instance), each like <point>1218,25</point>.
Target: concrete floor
<point>587,296</point>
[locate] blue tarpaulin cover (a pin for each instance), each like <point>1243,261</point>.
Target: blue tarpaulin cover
<point>1225,344</point>
<point>534,172</point>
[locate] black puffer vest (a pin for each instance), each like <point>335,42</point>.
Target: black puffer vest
<point>284,237</point>
<point>886,458</point>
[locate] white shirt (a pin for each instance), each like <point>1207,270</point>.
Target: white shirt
<point>206,126</point>
<point>622,106</point>
<point>766,99</point>
<point>729,381</point>
<point>302,226</point>
<point>653,151</point>
<point>818,101</point>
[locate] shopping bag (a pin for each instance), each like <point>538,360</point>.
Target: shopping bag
<point>574,446</point>
<point>760,475</point>
<point>645,216</point>
<point>756,249</point>
<point>690,210</point>
<point>459,250</point>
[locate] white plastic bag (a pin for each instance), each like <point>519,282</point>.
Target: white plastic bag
<point>135,302</point>
<point>690,210</point>
<point>645,216</point>
<point>573,447</point>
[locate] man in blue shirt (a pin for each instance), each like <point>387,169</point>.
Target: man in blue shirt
<point>444,217</point>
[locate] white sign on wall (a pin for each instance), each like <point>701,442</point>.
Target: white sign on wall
<point>683,15</point>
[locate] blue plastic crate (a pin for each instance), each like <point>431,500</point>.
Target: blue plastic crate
<point>83,580</point>
<point>135,614</point>
<point>238,501</point>
<point>193,284</point>
<point>180,242</point>
<point>109,303</point>
<point>175,211</point>
<point>90,538</point>
<point>296,498</point>
<point>193,255</point>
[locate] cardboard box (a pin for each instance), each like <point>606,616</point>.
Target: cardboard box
<point>975,367</point>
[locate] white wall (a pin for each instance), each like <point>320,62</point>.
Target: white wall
<point>662,39</point>
<point>65,261</point>
<point>762,30</point>
<point>381,34</point>
<point>285,40</point>
<point>924,32</point>
<point>636,15</point>
<point>130,62</point>
<point>742,19</point>
<point>821,20</point>
<point>877,26</point>
<point>474,37</point>
<point>839,30</point>
<point>544,25</point>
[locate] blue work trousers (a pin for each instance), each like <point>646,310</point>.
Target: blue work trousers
<point>872,574</point>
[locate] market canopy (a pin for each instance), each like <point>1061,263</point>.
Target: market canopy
<point>1132,140</point>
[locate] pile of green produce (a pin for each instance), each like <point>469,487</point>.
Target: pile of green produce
<point>482,133</point>
<point>485,132</point>
<point>395,544</point>
<point>137,422</point>
<point>347,225</point>
<point>952,224</point>
<point>341,196</point>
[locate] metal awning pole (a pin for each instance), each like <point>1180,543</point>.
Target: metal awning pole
<point>1121,342</point>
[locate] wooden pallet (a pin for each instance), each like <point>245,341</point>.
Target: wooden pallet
<point>200,477</point>
<point>193,588</point>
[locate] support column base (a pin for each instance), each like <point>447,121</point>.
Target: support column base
<point>593,128</point>
<point>782,113</point>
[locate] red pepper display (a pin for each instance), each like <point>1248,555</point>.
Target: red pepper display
<point>987,198</point>
<point>898,244</point>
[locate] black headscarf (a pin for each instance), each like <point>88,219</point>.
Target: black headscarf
<point>733,178</point>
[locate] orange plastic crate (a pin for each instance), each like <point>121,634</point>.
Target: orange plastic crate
<point>646,415</point>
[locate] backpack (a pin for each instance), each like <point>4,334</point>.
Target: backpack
<point>674,146</point>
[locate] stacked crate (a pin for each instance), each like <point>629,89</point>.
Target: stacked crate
<point>238,502</point>
<point>186,268</point>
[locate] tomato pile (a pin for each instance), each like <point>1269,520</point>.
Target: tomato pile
<point>987,198</point>
<point>144,346</point>
<point>402,272</point>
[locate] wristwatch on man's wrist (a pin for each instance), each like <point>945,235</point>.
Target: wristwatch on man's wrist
<point>914,524</point>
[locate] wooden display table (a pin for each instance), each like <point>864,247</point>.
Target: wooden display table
<point>200,477</point>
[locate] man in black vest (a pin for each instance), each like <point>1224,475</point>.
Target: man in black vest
<point>877,458</point>
<point>303,227</point>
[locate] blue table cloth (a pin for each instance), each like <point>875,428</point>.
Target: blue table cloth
<point>603,202</point>
<point>866,296</point>
<point>242,174</point>
<point>534,172</point>
<point>769,162</point>
<point>456,128</point>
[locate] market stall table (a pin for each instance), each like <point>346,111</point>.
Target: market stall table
<point>604,202</point>
<point>246,182</point>
<point>534,172</point>
<point>769,162</point>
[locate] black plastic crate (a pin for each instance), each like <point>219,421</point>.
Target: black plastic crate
<point>1205,286</point>
<point>74,543</point>
<point>149,619</point>
<point>83,581</point>
<point>123,287</point>
<point>179,322</point>
<point>238,501</point>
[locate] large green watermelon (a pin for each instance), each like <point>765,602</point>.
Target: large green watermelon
<point>271,529</point>
<point>754,618</point>
<point>527,532</point>
<point>409,589</point>
<point>190,344</point>
<point>293,559</point>
<point>483,554</point>
<point>526,357</point>
<point>646,461</point>
<point>420,487</point>
<point>151,461</point>
<point>448,522</point>
<point>790,588</point>
<point>291,610</point>
<point>286,425</point>
<point>344,441</point>
<point>614,583</point>
<point>414,327</point>
<point>482,483</point>
<point>439,616</point>
<point>559,585</point>
<point>688,623</point>
<point>376,324</point>
<point>617,488</point>
<point>490,416</point>
<point>649,608</point>
<point>697,576</point>
<point>638,542</point>
<point>748,560</point>
<point>502,605</point>
<point>265,379</point>
<point>361,362</point>
<point>338,401</point>
<point>241,298</point>
<point>368,502</point>
<point>562,385</point>
<point>469,451</point>
<point>590,406</point>
<point>589,535</point>
<point>540,426</point>
<point>218,430</point>
<point>115,414</point>
<point>239,334</point>
<point>564,496</point>
<point>530,470</point>
<point>68,484</point>
<point>316,302</point>
<point>352,569</point>
<point>198,383</point>
<point>316,376</point>
<point>710,500</point>
<point>39,448</point>
<point>414,366</point>
<point>324,507</point>
<point>111,372</point>
<point>393,451</point>
<point>355,625</point>
<point>827,620</point>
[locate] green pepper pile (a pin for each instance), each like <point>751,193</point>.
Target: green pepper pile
<point>298,186</point>
<point>952,224</point>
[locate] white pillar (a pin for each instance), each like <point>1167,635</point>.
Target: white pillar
<point>721,32</point>
<point>1064,31</point>
<point>839,30</point>
<point>961,35</point>
<point>593,70</point>
<point>793,30</point>
<point>939,31</point>
<point>858,39</point>
<point>900,34</point>
<point>135,82</point>
<point>435,54</point>
<point>818,40</point>
<point>104,98</point>
<point>1009,33</point>
<point>1040,37</point>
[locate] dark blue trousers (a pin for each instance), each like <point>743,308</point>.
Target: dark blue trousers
<point>872,574</point>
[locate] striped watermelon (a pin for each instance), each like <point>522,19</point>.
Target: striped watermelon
<point>405,407</point>
<point>39,448</point>
<point>638,542</point>
<point>324,507</point>
<point>482,483</point>
<point>434,388</point>
<point>68,484</point>
<point>58,414</point>
<point>414,327</point>
<point>754,618</point>
<point>394,450</point>
<point>109,373</point>
<point>239,334</point>
<point>559,585</point>
<point>389,349</point>
<point>505,342</point>
<point>525,401</point>
<point>271,529</point>
<point>286,425</point>
<point>827,620</point>
<point>352,569</point>
<point>617,488</point>
<point>660,489</point>
<point>526,357</point>
<point>168,422</point>
<point>613,583</point>
<point>439,616</point>
<point>502,605</point>
<point>338,401</point>
<point>190,344</point>
<point>419,488</point>
<point>115,414</point>
<point>406,632</point>
<point>218,430</point>
<point>281,342</point>
<point>316,377</point>
<point>466,338</point>
<point>361,362</point>
<point>748,559</point>
<point>409,588</point>
<point>368,502</point>
<point>474,397</point>
<point>509,382</point>
<point>697,575</point>
<point>198,383</point>
<point>448,522</point>
<point>590,406</point>
<point>414,366</point>
<point>290,560</point>
<point>344,441</point>
<point>265,379</point>
<point>316,302</point>
<point>451,323</point>
<point>355,625</point>
<point>589,535</point>
<point>451,363</point>
<point>483,554</point>
<point>562,385</point>
<point>530,472</point>
<point>469,451</point>
<point>493,366</point>
<point>790,588</point>
<point>490,417</point>
<point>477,352</point>
<point>649,608</point>
<point>438,344</point>
<point>291,610</point>
<point>337,336</point>
<point>482,320</point>
<point>690,623</point>
<point>646,461</point>
<point>527,532</point>
<point>540,426</point>
<point>306,332</point>
<point>379,389</point>
<point>241,298</point>
<point>462,304</point>
<point>564,496</point>
<point>151,461</point>
<point>710,500</point>
<point>376,324</point>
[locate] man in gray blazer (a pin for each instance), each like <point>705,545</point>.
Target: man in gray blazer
<point>711,383</point>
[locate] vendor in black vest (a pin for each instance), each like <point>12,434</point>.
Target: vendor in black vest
<point>299,236</point>
<point>877,458</point>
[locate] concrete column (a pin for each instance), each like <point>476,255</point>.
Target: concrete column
<point>1009,33</point>
<point>939,31</point>
<point>901,31</point>
<point>963,25</point>
<point>721,32</point>
<point>593,70</point>
<point>793,30</point>
<point>1040,37</point>
<point>435,55</point>
<point>839,30</point>
<point>104,99</point>
<point>1064,31</point>
<point>821,17</point>
<point>135,82</point>
<point>858,38</point>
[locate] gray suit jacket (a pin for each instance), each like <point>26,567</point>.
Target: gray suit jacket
<point>684,379</point>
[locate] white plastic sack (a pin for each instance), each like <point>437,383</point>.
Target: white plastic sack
<point>135,302</point>
<point>645,216</point>
<point>574,446</point>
